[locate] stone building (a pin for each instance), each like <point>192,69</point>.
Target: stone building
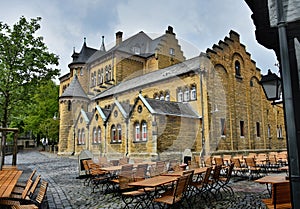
<point>142,98</point>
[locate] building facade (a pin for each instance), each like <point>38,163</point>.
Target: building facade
<point>143,99</point>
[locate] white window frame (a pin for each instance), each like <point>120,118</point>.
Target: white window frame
<point>137,132</point>
<point>144,131</point>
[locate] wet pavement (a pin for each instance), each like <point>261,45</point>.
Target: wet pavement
<point>67,191</point>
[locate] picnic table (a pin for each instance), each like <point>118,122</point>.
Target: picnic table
<point>8,180</point>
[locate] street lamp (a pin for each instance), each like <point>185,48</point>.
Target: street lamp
<point>271,84</point>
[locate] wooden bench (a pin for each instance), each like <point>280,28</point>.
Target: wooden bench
<point>281,197</point>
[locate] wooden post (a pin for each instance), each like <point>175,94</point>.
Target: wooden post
<point>15,149</point>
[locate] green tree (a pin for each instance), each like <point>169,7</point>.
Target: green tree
<point>38,117</point>
<point>24,63</point>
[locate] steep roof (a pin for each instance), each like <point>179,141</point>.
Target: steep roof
<point>84,54</point>
<point>152,77</point>
<point>141,40</point>
<point>179,109</point>
<point>74,90</point>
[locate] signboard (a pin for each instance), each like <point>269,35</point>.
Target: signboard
<point>291,10</point>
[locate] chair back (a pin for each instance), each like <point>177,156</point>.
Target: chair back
<point>190,174</point>
<point>141,171</point>
<point>207,175</point>
<point>236,162</point>
<point>126,168</point>
<point>250,162</point>
<point>42,192</point>
<point>124,180</point>
<point>219,161</point>
<point>208,161</point>
<point>34,185</point>
<point>26,190</point>
<point>217,172</point>
<point>123,161</point>
<point>160,167</point>
<point>180,188</point>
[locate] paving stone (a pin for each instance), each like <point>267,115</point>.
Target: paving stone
<point>66,191</point>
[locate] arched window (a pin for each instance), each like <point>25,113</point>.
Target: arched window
<point>94,135</point>
<point>119,132</point>
<point>269,130</point>
<point>279,132</point>
<point>92,79</point>
<point>186,96</point>
<point>106,74</point>
<point>137,131</point>
<point>144,131</point>
<point>69,105</point>
<point>237,66</point>
<point>193,93</point>
<point>99,135</point>
<point>101,76</point>
<point>82,136</point>
<point>113,133</point>
<point>179,95</point>
<point>167,97</point>
<point>78,137</point>
<point>161,98</point>
<point>110,72</point>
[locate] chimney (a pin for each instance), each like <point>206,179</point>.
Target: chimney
<point>102,47</point>
<point>119,37</point>
<point>170,30</point>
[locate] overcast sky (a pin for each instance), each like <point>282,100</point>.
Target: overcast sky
<point>198,24</point>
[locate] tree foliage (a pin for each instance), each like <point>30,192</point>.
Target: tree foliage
<point>24,64</point>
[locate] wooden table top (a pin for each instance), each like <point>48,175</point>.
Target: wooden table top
<point>154,181</point>
<point>8,180</point>
<point>272,179</point>
<point>197,171</point>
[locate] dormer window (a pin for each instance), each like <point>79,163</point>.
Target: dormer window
<point>136,50</point>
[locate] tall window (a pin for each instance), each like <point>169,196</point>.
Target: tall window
<point>99,134</point>
<point>113,133</point>
<point>237,66</point>
<point>109,73</point>
<point>186,96</point>
<point>172,51</point>
<point>95,135</point>
<point>144,131</point>
<point>101,76</point>
<point>279,132</point>
<point>78,137</point>
<point>257,129</point>
<point>269,130</point>
<point>167,98</point>
<point>223,127</point>
<point>82,136</point>
<point>92,79</point>
<point>95,78</point>
<point>179,96</point>
<point>137,131</point>
<point>193,93</point>
<point>106,74</point>
<point>162,98</point>
<point>69,105</point>
<point>119,132</point>
<point>242,128</point>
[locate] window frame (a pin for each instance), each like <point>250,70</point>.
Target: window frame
<point>242,128</point>
<point>144,131</point>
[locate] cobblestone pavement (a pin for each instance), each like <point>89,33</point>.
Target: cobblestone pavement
<point>67,191</point>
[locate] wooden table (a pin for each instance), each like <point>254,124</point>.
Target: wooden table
<point>272,180</point>
<point>8,180</point>
<point>197,171</point>
<point>154,181</point>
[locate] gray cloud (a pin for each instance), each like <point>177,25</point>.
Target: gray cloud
<point>197,24</point>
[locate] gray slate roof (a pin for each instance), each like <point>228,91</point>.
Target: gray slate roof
<point>83,55</point>
<point>143,41</point>
<point>74,90</point>
<point>172,108</point>
<point>152,77</point>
